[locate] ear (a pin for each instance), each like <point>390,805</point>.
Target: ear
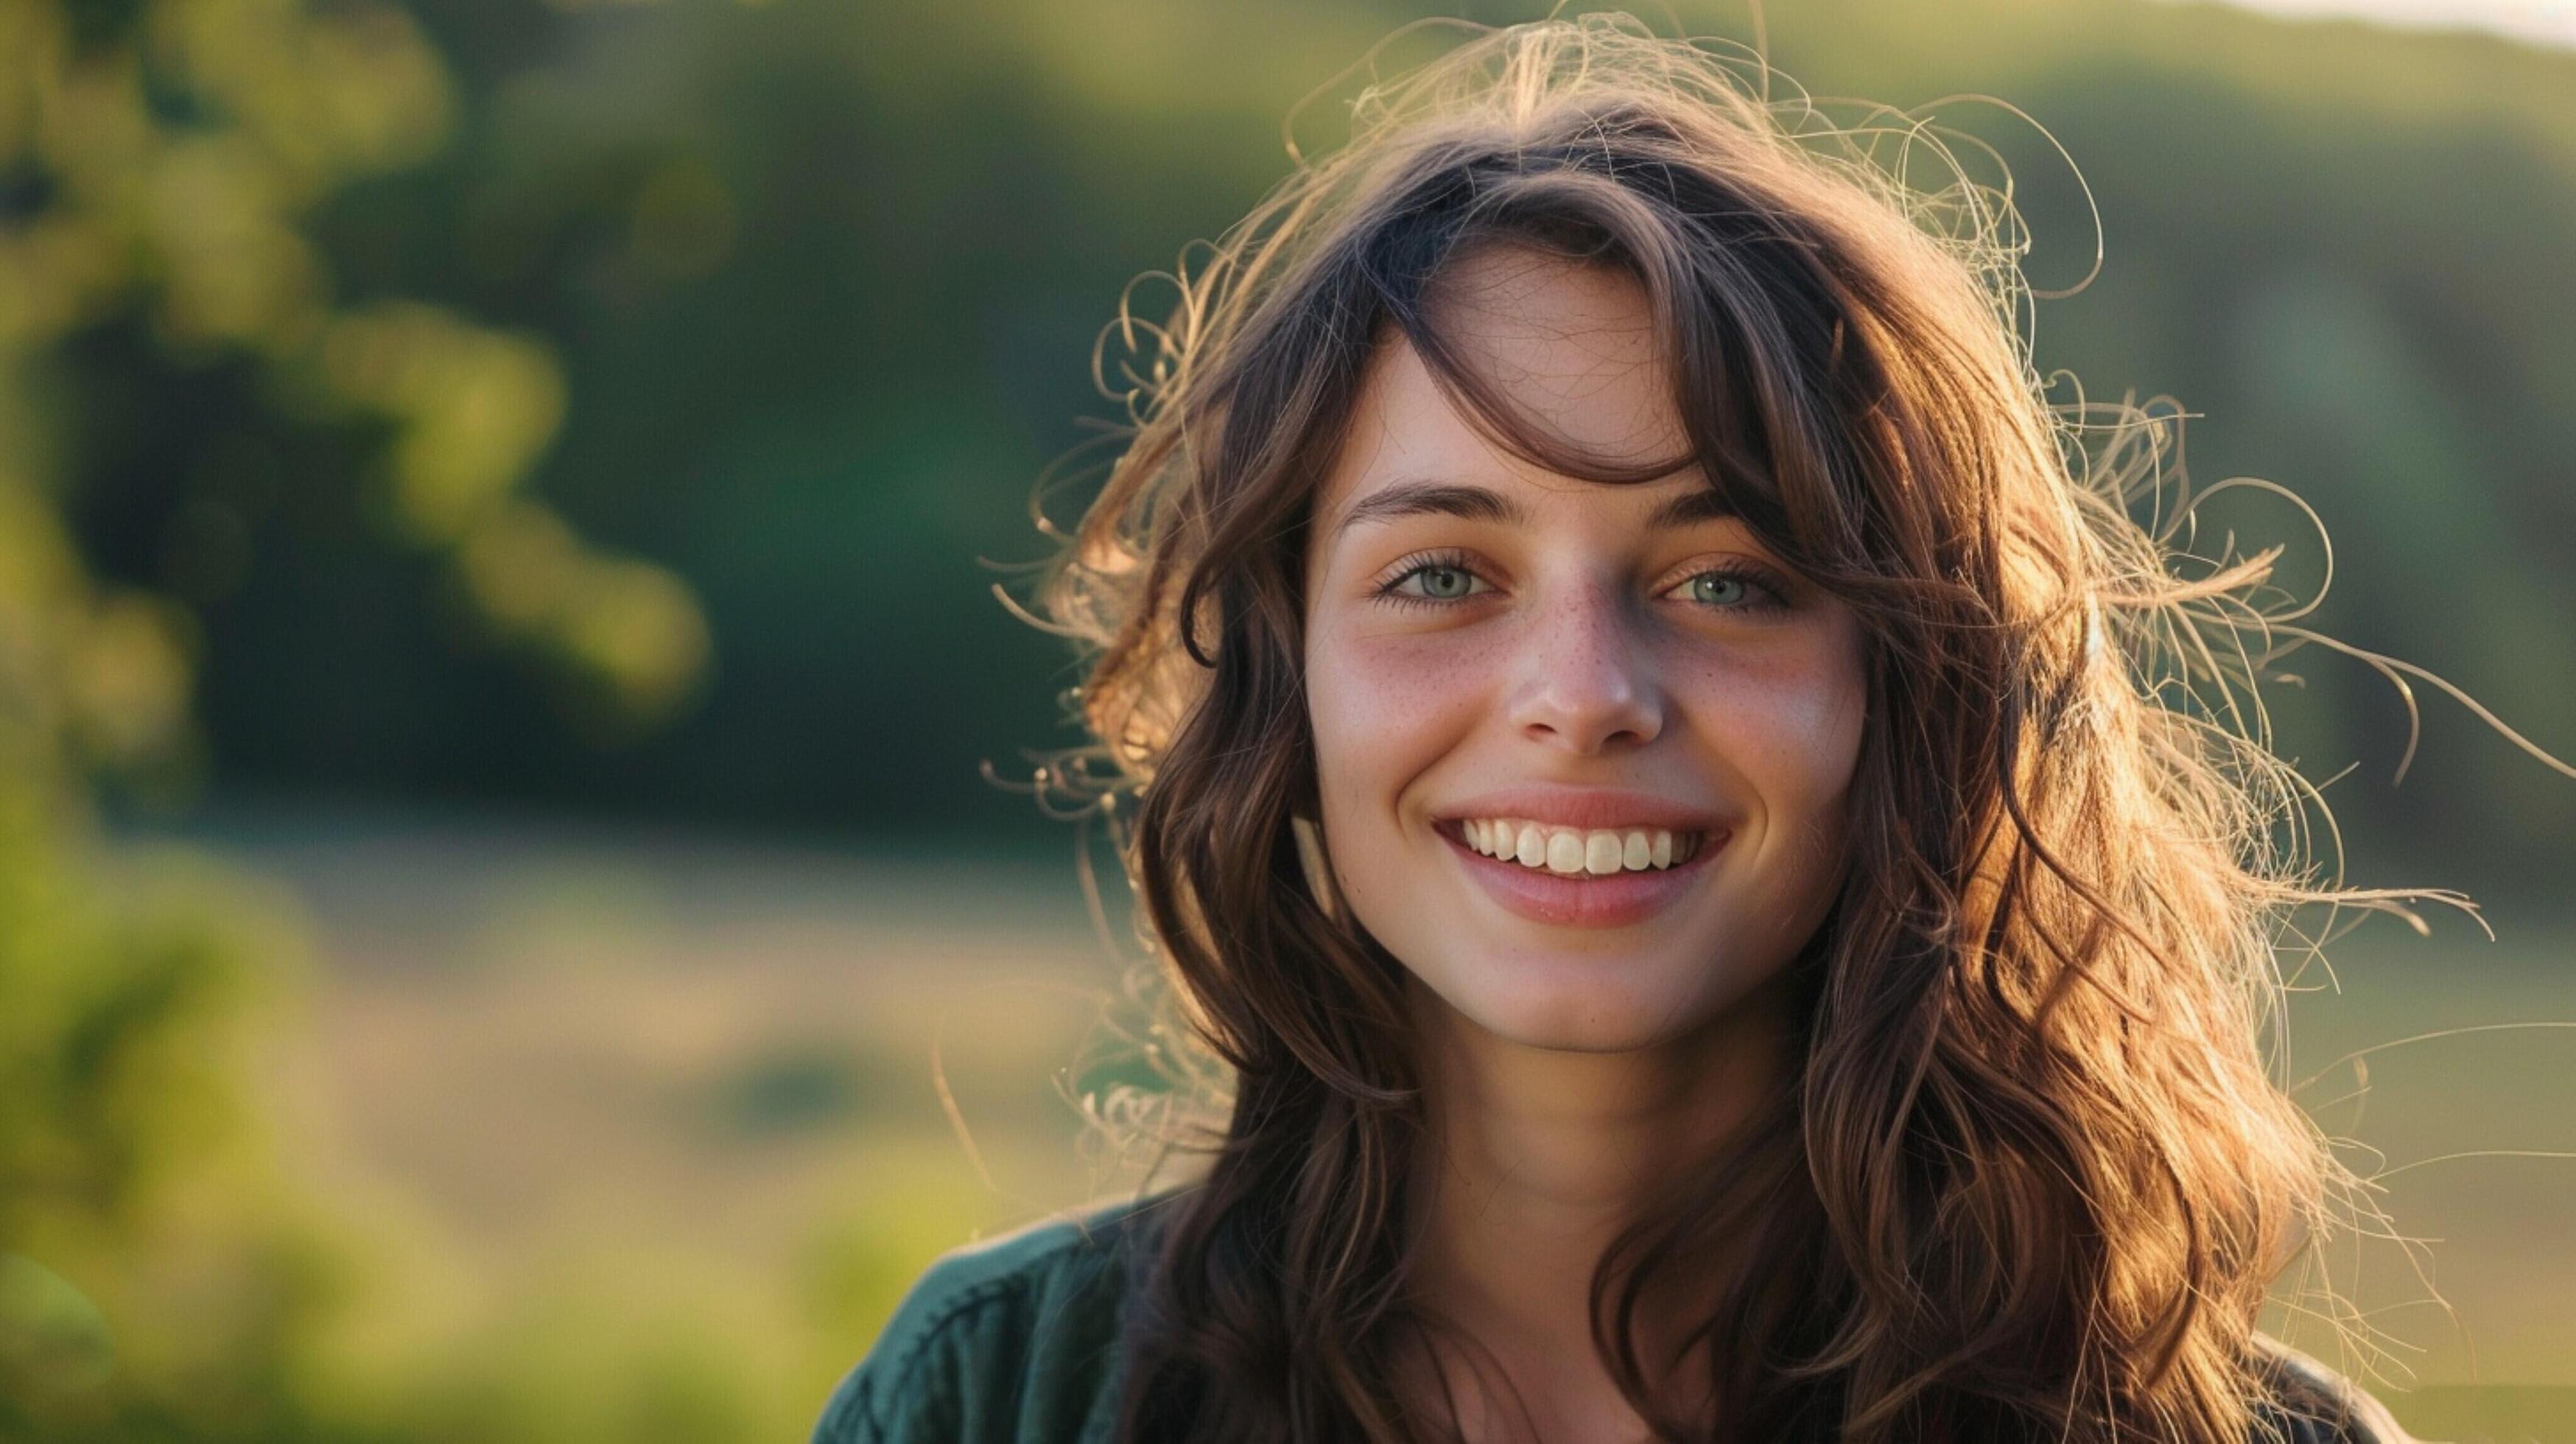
<point>1319,868</point>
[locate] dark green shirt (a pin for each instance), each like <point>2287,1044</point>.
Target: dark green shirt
<point>1015,1341</point>
<point>1011,1341</point>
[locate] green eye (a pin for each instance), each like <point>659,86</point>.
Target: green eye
<point>1734,591</point>
<point>1717,589</point>
<point>1445,582</point>
<point>1431,581</point>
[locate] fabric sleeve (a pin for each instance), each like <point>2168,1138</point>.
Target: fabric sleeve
<point>1010,1341</point>
<point>2316,1405</point>
<point>913,1386</point>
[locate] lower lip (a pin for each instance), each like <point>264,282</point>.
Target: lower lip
<point>1582,900</point>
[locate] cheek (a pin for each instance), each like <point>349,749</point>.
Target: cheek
<point>1787,723</point>
<point>1383,708</point>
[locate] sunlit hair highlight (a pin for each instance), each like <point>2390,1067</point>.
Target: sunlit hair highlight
<point>2033,1175</point>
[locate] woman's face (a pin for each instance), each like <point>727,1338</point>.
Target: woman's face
<point>1583,749</point>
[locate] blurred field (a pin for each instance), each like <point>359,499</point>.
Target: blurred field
<point>660,1094</point>
<point>618,1099</point>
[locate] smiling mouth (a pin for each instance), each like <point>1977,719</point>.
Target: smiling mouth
<point>1577,852</point>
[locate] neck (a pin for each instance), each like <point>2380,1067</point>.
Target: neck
<point>1539,1158</point>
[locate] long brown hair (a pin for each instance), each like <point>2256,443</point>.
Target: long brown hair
<point>2033,1176</point>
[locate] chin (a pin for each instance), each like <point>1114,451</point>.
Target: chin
<point>1576,1010</point>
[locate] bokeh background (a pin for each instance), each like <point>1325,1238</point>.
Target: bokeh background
<point>504,935</point>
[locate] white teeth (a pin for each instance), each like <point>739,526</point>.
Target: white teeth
<point>1569,850</point>
<point>1603,853</point>
<point>1565,852</point>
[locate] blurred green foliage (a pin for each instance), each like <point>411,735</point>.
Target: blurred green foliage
<point>168,325</point>
<point>161,305</point>
<point>355,357</point>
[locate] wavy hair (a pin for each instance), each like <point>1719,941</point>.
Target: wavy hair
<point>2033,1174</point>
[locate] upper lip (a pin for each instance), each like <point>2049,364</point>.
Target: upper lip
<point>1585,807</point>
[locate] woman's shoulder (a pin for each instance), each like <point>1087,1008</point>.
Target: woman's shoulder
<point>2312,1404</point>
<point>1016,1338</point>
<point>1011,1338</point>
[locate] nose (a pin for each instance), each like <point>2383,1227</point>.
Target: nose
<point>1585,680</point>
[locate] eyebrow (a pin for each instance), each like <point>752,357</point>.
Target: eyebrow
<point>1478,503</point>
<point>1431,498</point>
<point>1696,505</point>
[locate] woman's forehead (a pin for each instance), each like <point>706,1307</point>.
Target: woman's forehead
<point>1599,392</point>
<point>1574,347</point>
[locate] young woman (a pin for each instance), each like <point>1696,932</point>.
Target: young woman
<point>1770,958</point>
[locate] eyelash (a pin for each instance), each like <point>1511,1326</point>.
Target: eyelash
<point>1752,577</point>
<point>1413,566</point>
<point>1762,595</point>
